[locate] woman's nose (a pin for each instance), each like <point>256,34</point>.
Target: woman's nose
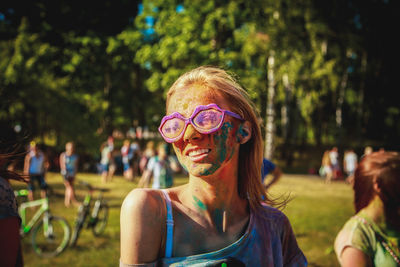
<point>191,134</point>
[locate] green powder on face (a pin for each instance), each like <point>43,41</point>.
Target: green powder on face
<point>220,140</point>
<point>226,127</point>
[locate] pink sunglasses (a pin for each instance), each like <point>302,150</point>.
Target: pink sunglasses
<point>205,119</point>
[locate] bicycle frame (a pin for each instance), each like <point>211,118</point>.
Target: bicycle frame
<point>44,208</point>
<point>88,215</point>
<point>55,230</point>
<point>97,204</point>
<point>88,200</point>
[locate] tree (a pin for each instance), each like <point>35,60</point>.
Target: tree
<point>68,73</point>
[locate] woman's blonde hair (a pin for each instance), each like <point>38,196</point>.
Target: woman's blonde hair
<point>251,153</point>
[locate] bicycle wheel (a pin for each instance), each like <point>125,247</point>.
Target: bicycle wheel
<point>80,220</point>
<point>51,241</point>
<point>100,221</point>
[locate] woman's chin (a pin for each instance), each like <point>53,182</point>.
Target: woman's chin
<point>202,169</point>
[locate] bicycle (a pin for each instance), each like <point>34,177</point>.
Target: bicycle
<point>51,235</point>
<point>97,220</point>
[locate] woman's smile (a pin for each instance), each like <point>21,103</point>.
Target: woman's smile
<point>197,154</point>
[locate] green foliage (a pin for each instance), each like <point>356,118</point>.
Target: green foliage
<point>72,72</point>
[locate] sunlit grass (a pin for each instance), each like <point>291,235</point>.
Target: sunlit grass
<point>317,211</point>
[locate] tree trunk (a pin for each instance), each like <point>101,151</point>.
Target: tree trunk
<point>339,107</point>
<point>108,118</point>
<point>360,105</point>
<point>285,110</point>
<point>269,126</point>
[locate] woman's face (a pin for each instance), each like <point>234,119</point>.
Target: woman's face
<point>204,154</point>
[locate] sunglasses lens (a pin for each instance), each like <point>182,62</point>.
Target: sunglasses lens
<point>208,119</point>
<point>173,127</point>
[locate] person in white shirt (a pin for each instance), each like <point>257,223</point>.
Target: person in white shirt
<point>350,162</point>
<point>334,158</point>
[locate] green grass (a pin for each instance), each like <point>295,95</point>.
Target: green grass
<point>316,211</point>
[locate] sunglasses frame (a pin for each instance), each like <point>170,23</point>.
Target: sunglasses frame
<point>190,120</point>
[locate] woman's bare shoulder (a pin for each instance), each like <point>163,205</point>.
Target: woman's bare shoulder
<point>142,226</point>
<point>142,201</point>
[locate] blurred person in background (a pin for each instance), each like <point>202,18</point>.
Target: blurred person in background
<point>350,162</point>
<point>135,150</point>
<point>372,236</point>
<point>222,216</point>
<point>161,168</point>
<point>146,155</point>
<point>127,154</point>
<point>107,160</point>
<point>36,165</point>
<point>148,152</point>
<point>10,221</point>
<point>334,158</point>
<point>269,167</point>
<point>68,169</point>
<point>326,168</point>
<point>114,153</point>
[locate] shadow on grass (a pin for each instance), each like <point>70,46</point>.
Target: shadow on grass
<point>299,235</point>
<point>96,243</point>
<point>313,264</point>
<point>114,205</point>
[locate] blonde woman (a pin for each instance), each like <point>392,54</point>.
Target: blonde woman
<point>219,216</point>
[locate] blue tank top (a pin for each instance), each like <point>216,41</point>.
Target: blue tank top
<point>70,163</point>
<point>268,241</point>
<point>36,164</point>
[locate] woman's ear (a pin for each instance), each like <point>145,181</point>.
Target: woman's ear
<point>244,132</point>
<point>377,188</point>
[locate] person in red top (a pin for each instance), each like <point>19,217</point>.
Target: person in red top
<point>10,241</point>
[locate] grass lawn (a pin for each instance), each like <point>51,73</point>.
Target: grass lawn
<point>317,211</point>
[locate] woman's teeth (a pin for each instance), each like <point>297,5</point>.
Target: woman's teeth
<point>198,152</point>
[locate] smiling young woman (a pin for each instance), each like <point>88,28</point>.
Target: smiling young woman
<point>222,215</point>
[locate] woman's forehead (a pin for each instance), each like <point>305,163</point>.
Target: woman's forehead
<point>185,100</point>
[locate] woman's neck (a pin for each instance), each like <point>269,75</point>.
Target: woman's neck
<point>216,199</point>
<point>376,211</point>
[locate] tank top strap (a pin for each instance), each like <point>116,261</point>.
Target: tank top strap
<point>170,225</point>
